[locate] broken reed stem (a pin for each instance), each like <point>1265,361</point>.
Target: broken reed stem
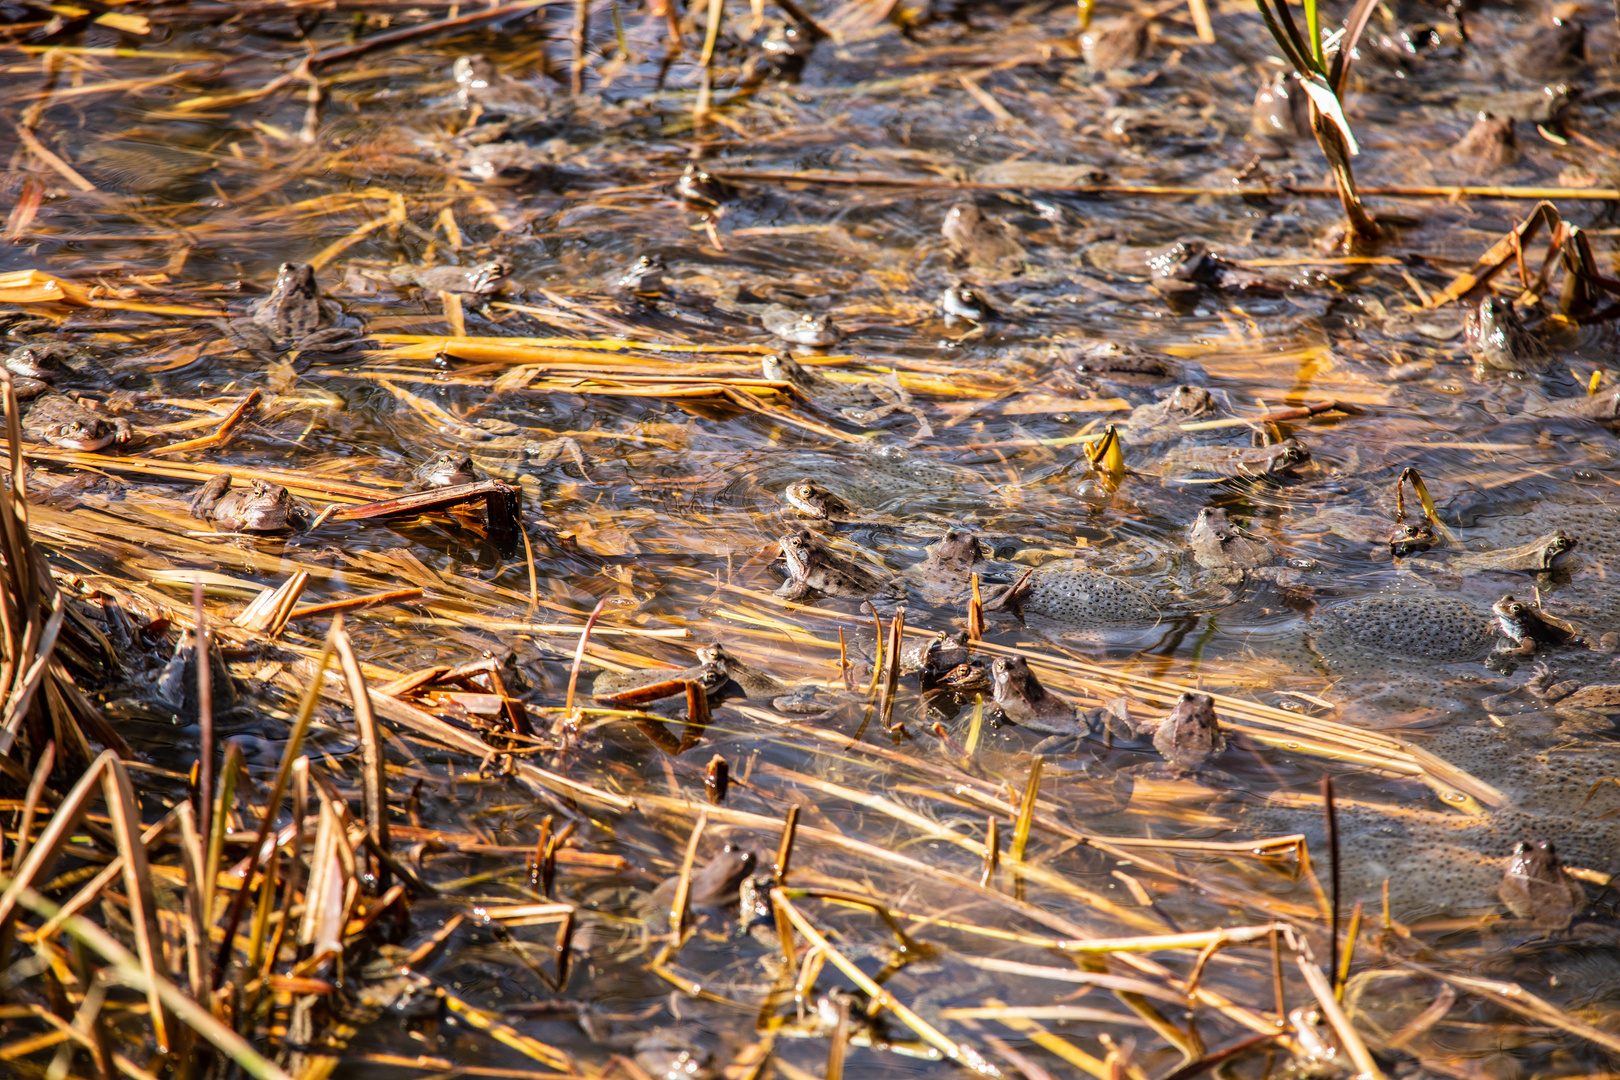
<point>373,773</point>
<point>1277,978</point>
<point>784,847</point>
<point>582,22</point>
<point>683,883</point>
<point>1026,815</point>
<point>700,114</point>
<point>975,612</point>
<point>579,659</point>
<point>278,791</point>
<point>1331,814</point>
<point>891,680</point>
<point>1342,972</point>
<point>992,853</point>
<point>205,713</point>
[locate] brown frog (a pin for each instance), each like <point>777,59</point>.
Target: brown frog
<point>948,569</point>
<point>1590,707</point>
<point>1271,462</point>
<point>814,501</point>
<point>934,659</point>
<point>1535,886</point>
<point>480,85</point>
<point>1528,629</point>
<point>294,316</point>
<point>1161,421</point>
<point>263,508</point>
<point>1497,338</point>
<point>33,370</point>
<point>645,275</point>
<point>1190,736</point>
<point>960,303</point>
<point>1114,43</point>
<point>1489,146</point>
<point>978,240</point>
<point>800,327</point>
<point>1602,407</point>
<point>1025,702</point>
<point>699,189</point>
<point>1539,556</point>
<point>1556,50</point>
<point>815,569</point>
<point>714,885</point>
<point>480,279</point>
<point>60,421</point>
<point>447,468</point>
<point>1222,548</point>
<point>865,403</point>
<point>1281,113</point>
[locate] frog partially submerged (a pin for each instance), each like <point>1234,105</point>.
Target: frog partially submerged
<point>714,885</point>
<point>699,189</point>
<point>1113,43</point>
<point>947,571</point>
<point>447,468</point>
<point>722,675</point>
<point>1275,462</point>
<point>295,316</point>
<point>979,241</point>
<point>1535,886</point>
<point>262,508</point>
<point>1556,50</point>
<point>1161,420</point>
<point>865,403</point>
<point>480,279</point>
<point>1022,699</point>
<point>1281,114</point>
<point>645,275</point>
<point>1487,147</point>
<point>1540,556</point>
<point>60,421</point>
<point>1591,707</point>
<point>1227,554</point>
<point>34,369</point>
<point>1530,630</point>
<point>1497,338</point>
<point>1190,736</point>
<point>480,85</point>
<point>963,303</point>
<point>1602,407</point>
<point>800,327</point>
<point>814,501</point>
<point>814,569</point>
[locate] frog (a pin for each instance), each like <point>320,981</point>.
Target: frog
<point>33,369</point>
<point>1114,43</point>
<point>962,303</point>
<point>1022,700</point>
<point>480,85</point>
<point>1530,630</point>
<point>507,164</point>
<point>980,241</point>
<point>800,327</point>
<point>814,569</point>
<point>864,403</point>
<point>1226,553</point>
<point>1542,555</point>
<point>1488,147</point>
<point>1281,114</point>
<point>481,279</point>
<point>177,685</point>
<point>1545,105</point>
<point>1496,337</point>
<point>1590,707</point>
<point>1161,421</point>
<point>61,421</point>
<point>812,500</point>
<point>1556,50</point>
<point>263,508</point>
<point>447,468</point>
<point>1401,539</point>
<point>1191,735</point>
<point>1075,596</point>
<point>783,52</point>
<point>1536,886</point>
<point>295,316</point>
<point>699,189</point>
<point>1602,407</point>
<point>644,276</point>
<point>946,573</point>
<point>684,1052</point>
<point>713,885</point>
<point>722,676</point>
<point>1276,462</point>
<point>933,659</point>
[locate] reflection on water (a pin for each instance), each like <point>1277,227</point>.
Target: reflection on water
<point>174,178</point>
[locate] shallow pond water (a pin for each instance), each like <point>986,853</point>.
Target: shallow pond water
<point>167,175</point>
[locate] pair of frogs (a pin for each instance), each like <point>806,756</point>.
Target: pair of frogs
<point>268,507</point>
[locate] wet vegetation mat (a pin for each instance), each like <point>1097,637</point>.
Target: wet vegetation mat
<point>809,539</point>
